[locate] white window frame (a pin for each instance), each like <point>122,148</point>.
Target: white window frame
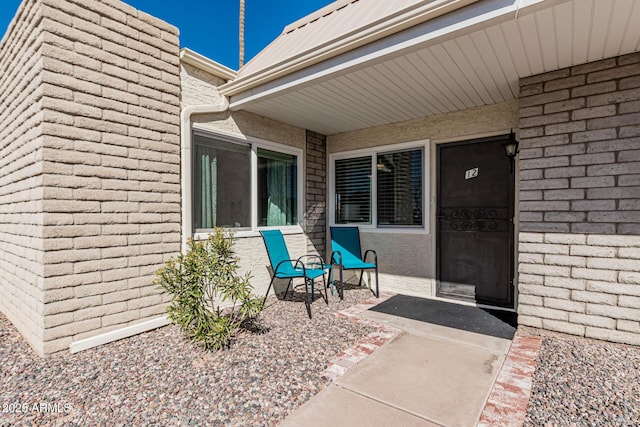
<point>373,152</point>
<point>254,144</point>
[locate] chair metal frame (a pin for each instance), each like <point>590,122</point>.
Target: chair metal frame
<point>336,258</point>
<point>299,270</point>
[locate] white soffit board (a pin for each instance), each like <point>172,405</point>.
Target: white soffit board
<point>339,27</point>
<point>469,58</point>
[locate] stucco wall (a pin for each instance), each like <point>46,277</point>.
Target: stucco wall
<point>107,171</point>
<point>458,126</point>
<point>580,200</point>
<point>254,258</point>
<point>407,260</point>
<point>200,88</point>
<point>243,123</point>
<point>21,196</point>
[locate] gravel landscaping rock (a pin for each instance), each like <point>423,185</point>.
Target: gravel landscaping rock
<point>159,378</point>
<point>583,382</point>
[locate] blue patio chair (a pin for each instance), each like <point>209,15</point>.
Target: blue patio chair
<point>347,254</point>
<point>286,268</point>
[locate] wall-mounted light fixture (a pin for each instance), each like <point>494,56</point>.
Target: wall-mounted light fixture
<point>511,149</point>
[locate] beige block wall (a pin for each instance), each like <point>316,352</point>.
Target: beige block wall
<point>579,258</point>
<point>407,260</point>
<point>112,146</point>
<point>106,170</point>
<point>21,197</point>
<point>579,149</point>
<point>581,284</point>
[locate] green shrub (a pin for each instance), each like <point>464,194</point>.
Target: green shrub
<point>209,300</point>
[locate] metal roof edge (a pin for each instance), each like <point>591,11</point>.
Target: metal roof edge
<point>328,9</point>
<point>201,62</point>
<point>414,16</point>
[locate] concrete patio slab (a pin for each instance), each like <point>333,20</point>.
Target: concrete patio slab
<point>442,381</point>
<point>428,375</point>
<point>335,407</point>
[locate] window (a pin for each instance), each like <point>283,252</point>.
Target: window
<point>222,184</point>
<point>243,186</point>
<point>353,190</point>
<point>382,188</point>
<point>400,188</point>
<point>277,188</point>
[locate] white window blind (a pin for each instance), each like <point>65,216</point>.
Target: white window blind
<point>353,190</point>
<point>399,188</point>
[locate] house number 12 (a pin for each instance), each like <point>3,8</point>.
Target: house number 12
<point>471,173</point>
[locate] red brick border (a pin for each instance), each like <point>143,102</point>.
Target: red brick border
<point>507,402</point>
<point>350,357</point>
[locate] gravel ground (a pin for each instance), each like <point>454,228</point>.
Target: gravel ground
<point>158,378</point>
<point>583,382</point>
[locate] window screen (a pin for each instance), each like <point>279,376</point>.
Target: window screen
<point>222,184</point>
<point>353,190</point>
<point>399,188</point>
<point>277,188</point>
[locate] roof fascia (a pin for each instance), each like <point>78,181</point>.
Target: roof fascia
<point>205,64</point>
<point>350,41</point>
<point>482,13</point>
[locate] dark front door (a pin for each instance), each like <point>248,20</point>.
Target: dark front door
<point>475,222</point>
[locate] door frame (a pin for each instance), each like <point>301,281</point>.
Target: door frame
<point>512,211</point>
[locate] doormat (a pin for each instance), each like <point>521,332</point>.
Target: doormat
<point>495,323</point>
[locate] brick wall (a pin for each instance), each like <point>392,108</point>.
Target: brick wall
<point>112,191</point>
<point>316,193</point>
<point>579,251</point>
<point>21,147</point>
<point>109,165</point>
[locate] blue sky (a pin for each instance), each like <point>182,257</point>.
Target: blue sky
<point>210,27</point>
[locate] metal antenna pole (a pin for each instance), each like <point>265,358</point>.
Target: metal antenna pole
<point>241,34</point>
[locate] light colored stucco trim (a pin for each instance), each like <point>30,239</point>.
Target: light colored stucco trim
<point>118,334</point>
<point>205,64</point>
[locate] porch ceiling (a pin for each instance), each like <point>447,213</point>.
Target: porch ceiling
<point>468,58</point>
